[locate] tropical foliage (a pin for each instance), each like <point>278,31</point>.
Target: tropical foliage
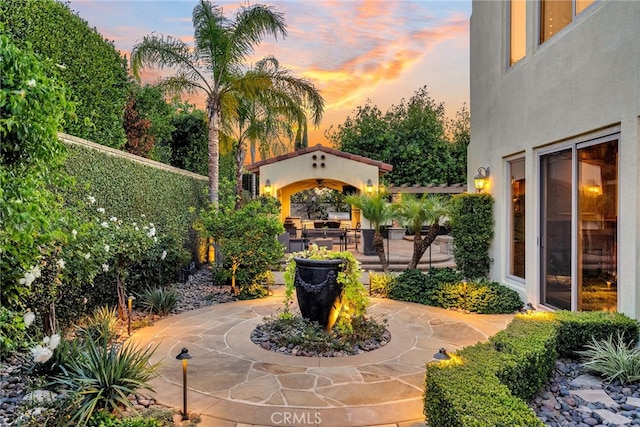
<point>430,211</point>
<point>88,65</point>
<point>213,64</point>
<point>377,209</point>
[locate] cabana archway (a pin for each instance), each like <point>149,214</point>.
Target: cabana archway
<point>285,175</point>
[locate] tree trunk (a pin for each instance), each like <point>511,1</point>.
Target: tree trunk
<point>240,156</point>
<point>122,298</point>
<point>234,268</point>
<point>420,245</point>
<point>378,243</point>
<point>49,319</point>
<point>214,148</point>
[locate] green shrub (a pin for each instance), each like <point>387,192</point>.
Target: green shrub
<point>158,300</point>
<point>487,384</point>
<point>578,329</point>
<point>104,376</point>
<point>472,224</point>
<point>480,297</point>
<point>436,276</point>
<point>380,283</point>
<point>613,360</point>
<point>13,335</point>
<point>410,285</point>
<point>105,419</point>
<point>100,326</point>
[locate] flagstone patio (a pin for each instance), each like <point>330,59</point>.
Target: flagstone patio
<point>234,382</point>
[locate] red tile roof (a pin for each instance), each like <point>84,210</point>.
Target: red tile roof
<point>382,167</point>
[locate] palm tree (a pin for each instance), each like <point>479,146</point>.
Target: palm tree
<point>415,212</point>
<point>213,64</point>
<point>378,211</point>
<point>279,101</point>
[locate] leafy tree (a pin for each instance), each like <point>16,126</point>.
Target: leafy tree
<point>33,107</point>
<point>429,210</point>
<point>212,64</point>
<point>410,136</point>
<point>90,66</point>
<point>459,130</point>
<point>151,107</point>
<point>189,140</point>
<point>248,237</point>
<point>377,210</point>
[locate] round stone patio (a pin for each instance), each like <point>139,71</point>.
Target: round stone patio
<point>234,382</point>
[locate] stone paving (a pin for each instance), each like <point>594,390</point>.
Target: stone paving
<point>234,382</point>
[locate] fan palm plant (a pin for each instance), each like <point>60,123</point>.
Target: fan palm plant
<point>213,64</point>
<point>280,102</point>
<point>414,212</point>
<point>378,211</point>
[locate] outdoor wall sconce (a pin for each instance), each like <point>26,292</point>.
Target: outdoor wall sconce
<point>369,186</point>
<point>184,356</point>
<point>267,187</point>
<point>442,355</point>
<point>130,301</point>
<point>481,179</point>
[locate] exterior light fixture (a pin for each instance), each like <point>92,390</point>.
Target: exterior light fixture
<point>442,355</point>
<point>369,186</point>
<point>481,179</point>
<point>267,187</point>
<point>130,301</point>
<point>184,356</point>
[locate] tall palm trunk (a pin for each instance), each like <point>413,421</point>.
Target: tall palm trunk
<point>214,149</point>
<point>420,244</point>
<point>241,153</point>
<point>378,244</point>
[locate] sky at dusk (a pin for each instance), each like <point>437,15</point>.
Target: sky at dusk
<point>351,50</point>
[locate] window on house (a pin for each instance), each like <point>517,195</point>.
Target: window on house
<point>517,219</point>
<point>557,14</point>
<point>517,30</point>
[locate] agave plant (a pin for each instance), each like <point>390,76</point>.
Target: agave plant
<point>158,300</point>
<point>104,375</point>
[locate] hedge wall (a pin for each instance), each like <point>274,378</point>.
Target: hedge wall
<point>488,384</point>
<point>127,189</point>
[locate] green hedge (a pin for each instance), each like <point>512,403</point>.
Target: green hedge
<point>472,224</point>
<point>489,383</point>
<point>127,189</point>
<point>445,287</point>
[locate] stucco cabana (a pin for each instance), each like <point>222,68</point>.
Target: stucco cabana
<point>318,166</point>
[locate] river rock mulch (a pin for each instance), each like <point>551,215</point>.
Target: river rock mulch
<point>575,398</point>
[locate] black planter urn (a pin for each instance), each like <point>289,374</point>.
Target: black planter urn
<point>317,289</point>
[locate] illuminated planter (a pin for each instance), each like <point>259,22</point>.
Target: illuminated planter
<point>317,289</point>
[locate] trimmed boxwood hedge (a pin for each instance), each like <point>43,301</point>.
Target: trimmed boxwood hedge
<point>488,384</point>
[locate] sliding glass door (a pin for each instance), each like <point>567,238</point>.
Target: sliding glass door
<point>578,225</point>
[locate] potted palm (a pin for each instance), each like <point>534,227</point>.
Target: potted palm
<point>327,285</point>
<point>378,211</point>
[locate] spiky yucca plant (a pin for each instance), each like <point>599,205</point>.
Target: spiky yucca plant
<point>104,375</point>
<point>158,300</point>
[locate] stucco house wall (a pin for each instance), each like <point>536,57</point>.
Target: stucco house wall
<point>583,82</point>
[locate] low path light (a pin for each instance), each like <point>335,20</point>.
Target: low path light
<point>184,356</point>
<point>442,354</point>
